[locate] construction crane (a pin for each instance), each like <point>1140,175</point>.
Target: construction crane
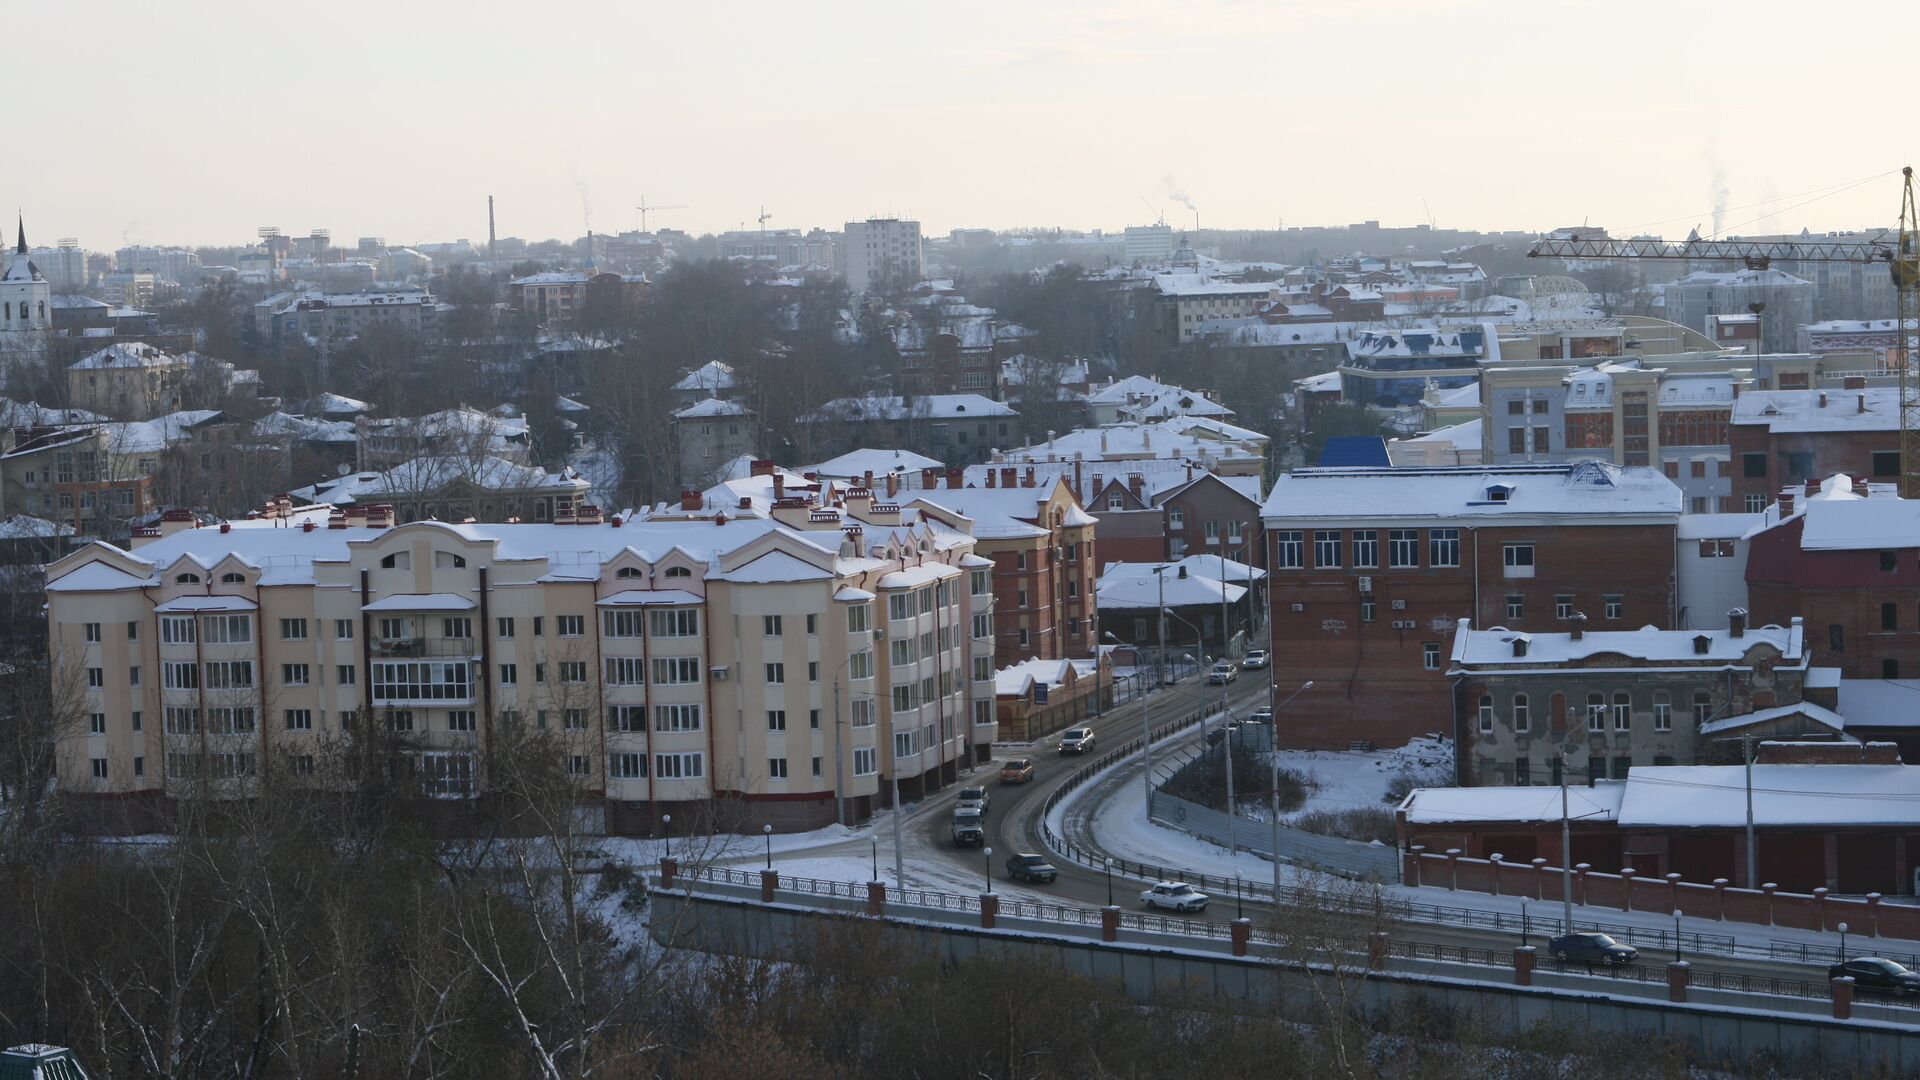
<point>764,218</point>
<point>645,208</point>
<point>1903,262</point>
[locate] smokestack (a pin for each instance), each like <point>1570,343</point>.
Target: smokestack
<point>493,244</point>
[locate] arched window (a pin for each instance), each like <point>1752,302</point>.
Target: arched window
<point>630,572</point>
<point>187,579</point>
<point>448,560</point>
<point>679,572</point>
<point>399,560</point>
<point>233,579</point>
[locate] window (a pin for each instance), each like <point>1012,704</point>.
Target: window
<point>1176,518</point>
<point>99,768</point>
<point>184,579</point>
<point>1615,605</point>
<point>503,626</point>
<point>182,721</point>
<point>343,674</point>
<point>1622,712</point>
<point>97,723</point>
<point>343,629</point>
<point>294,674</point>
<point>770,625</point>
<point>573,671</point>
<point>863,761</point>
<point>134,722</point>
<point>458,627</point>
<point>299,720</point>
<point>926,600</point>
<point>1621,765</point>
<point>862,713</point>
<point>293,629</point>
<point>539,673</point>
<point>679,572</point>
<point>1753,466</point>
<point>1518,559</point>
<point>1516,606</point>
<point>776,768</point>
<point>1886,463</point>
<point>690,766</point>
<point>1889,668</point>
<point>905,744</point>
<point>1596,712</point>
<point>674,622</point>
<point>629,572</point>
<point>903,699</point>
<point>623,624</point>
<point>859,617</point>
<point>1326,548</point>
<point>1369,610</point>
<point>140,766</point>
<point>96,678</point>
<point>417,680</point>
<point>1430,655</point>
<point>1443,547</point>
<point>860,665</point>
<point>626,718</point>
<point>1756,503</point>
<point>1522,772</point>
<point>1486,714</point>
<point>1563,606</point>
<point>816,768</point>
<point>1889,616</point>
<point>776,673</point>
<point>93,632</point>
<point>225,721</point>
<point>539,625</point>
<point>1020,599</point>
<point>227,629</point>
<point>1836,637</point>
<point>626,671</point>
<point>183,675</point>
<point>1288,553</point>
<point>579,765</point>
<point>1889,562</point>
<point>676,670</point>
<point>447,560</point>
<point>570,625</point>
<point>177,630</point>
<point>399,560</point>
<point>1403,548</point>
<point>229,674</point>
<point>1662,712</point>
<point>673,718</point>
<point>1366,549</point>
<point>627,766</point>
<point>395,629</point>
<point>776,719</point>
<point>574,719</point>
<point>813,666</point>
<point>1522,716</point>
<point>813,625</point>
<point>1702,707</point>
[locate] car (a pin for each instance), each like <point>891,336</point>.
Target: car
<point>1875,973</point>
<point>1030,868</point>
<point>1256,659</point>
<point>1175,896</point>
<point>1261,715</point>
<point>969,828</point>
<point>972,798</point>
<point>1222,673</point>
<point>1592,948</point>
<point>1078,740</point>
<point>1017,771</point>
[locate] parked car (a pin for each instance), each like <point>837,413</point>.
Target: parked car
<point>1017,771</point>
<point>1256,659</point>
<point>1261,715</point>
<point>1033,868</point>
<point>969,828</point>
<point>1078,740</point>
<point>1175,896</point>
<point>1218,735</point>
<point>1223,673</point>
<point>1874,973</point>
<point>1591,948</point>
<point>972,798</point>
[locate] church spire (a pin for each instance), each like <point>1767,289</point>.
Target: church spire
<point>21,248</point>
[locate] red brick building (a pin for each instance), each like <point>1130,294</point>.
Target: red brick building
<point>1370,570</point>
<point>1847,558</point>
<point>1784,438</point>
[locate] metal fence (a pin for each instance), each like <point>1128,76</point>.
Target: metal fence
<point>1335,854</point>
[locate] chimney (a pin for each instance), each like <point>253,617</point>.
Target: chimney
<point>337,519</point>
<point>1823,399</point>
<point>689,500</point>
<point>1137,485</point>
<point>720,518</point>
<point>779,485</point>
<point>929,479</point>
<point>1854,382</point>
<point>746,502</point>
<point>1078,491</point>
<point>226,527</point>
<point>867,480</point>
<point>1813,488</point>
<point>1006,476</point>
<point>1880,753</point>
<point>380,516</point>
<point>1027,481</point>
<point>1578,630</point>
<point>957,478</point>
<point>893,486</point>
<point>1786,504</point>
<point>616,521</point>
<point>307,525</point>
<point>762,467</point>
<point>1737,622</point>
<point>1862,399</point>
<point>992,475</point>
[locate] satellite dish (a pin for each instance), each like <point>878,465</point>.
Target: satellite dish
<point>343,470</point>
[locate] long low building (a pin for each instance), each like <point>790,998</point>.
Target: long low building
<point>731,672</point>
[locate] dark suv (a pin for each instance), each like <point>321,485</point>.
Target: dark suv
<point>1874,973</point>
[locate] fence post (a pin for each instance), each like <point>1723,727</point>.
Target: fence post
<point>1769,888</point>
<point>1453,868</point>
<point>1820,908</point>
<point>1580,885</point>
<point>1377,948</point>
<point>876,898</point>
<point>1110,923</point>
<point>1673,892</point>
<point>1493,868</point>
<point>1843,998</point>
<point>1678,974</point>
<point>769,881</point>
<point>1873,914</point>
<point>989,907</point>
<point>668,867</point>
<point>1626,887</point>
<point>1417,850</point>
<point>1523,958</point>
<point>1720,898</point>
<point>1242,930</point>
<point>1539,877</point>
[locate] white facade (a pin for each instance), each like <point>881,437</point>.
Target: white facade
<point>883,253</point>
<point>26,314</point>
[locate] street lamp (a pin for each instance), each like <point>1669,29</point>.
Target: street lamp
<point>767,829</point>
<point>1273,781</point>
<point>1109,863</point>
<point>1676,935</point>
<point>1843,943</point>
<point>1239,898</point>
<point>666,825</point>
<point>1146,725</point>
<point>876,857</point>
<point>1523,923</point>
<point>986,863</point>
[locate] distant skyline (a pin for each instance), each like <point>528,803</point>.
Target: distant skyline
<point>198,121</point>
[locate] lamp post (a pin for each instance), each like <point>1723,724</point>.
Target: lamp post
<point>1239,897</point>
<point>1146,726</point>
<point>1676,935</point>
<point>1843,943</point>
<point>1109,863</point>
<point>1273,764</point>
<point>876,857</point>
<point>666,825</point>
<point>986,864</point>
<point>767,830</point>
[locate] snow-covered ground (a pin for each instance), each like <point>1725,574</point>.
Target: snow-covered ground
<point>1349,780</point>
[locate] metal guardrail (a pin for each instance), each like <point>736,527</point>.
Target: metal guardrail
<point>1803,953</point>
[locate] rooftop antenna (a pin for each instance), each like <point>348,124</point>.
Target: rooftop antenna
<point>1159,217</point>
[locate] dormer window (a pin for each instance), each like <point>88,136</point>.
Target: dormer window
<point>630,572</point>
<point>447,560</point>
<point>679,572</point>
<point>1499,492</point>
<point>399,560</point>
<point>1701,643</point>
<point>186,579</point>
<point>233,579</point>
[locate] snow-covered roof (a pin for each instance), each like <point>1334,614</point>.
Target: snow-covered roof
<point>879,462</point>
<point>1441,806</point>
<point>1466,433</point>
<point>1819,714</point>
<point>552,277</point>
<point>303,428</point>
<point>922,406</point>
<point>1017,680</point>
<point>1854,524</point>
<point>420,602</point>
<point>1877,703</point>
<point>1178,438</point>
<point>1215,567</point>
<point>338,405</point>
<point>1586,491</point>
<point>1325,382</point>
<point>1146,398</point>
<point>1496,646</point>
<point>710,377</point>
<point>1875,408</point>
<point>125,354</point>
<point>708,408</point>
<point>24,527</point>
<point>426,474</point>
<point>1716,526</point>
<point>1715,796</point>
<point>1149,585</point>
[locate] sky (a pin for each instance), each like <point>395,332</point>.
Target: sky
<point>196,121</point>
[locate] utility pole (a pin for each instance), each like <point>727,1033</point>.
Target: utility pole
<point>1566,852</point>
<point>1753,847</point>
<point>1233,843</point>
<point>839,773</point>
<point>1160,661</point>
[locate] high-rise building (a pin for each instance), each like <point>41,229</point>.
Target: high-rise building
<point>883,253</point>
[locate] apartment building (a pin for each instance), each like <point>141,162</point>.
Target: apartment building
<point>882,254</point>
<point>1784,438</point>
<point>1539,708</point>
<point>1371,570</point>
<point>732,672</point>
<point>328,318</point>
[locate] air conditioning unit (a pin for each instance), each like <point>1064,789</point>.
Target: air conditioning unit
<point>1404,624</point>
<point>1399,605</point>
<point>1299,608</point>
<point>1366,583</point>
<point>718,674</point>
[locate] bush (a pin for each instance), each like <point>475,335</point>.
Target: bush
<point>1363,823</point>
<point>1204,781</point>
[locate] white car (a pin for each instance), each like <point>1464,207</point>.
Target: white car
<point>1175,896</point>
<point>1256,659</point>
<point>1076,741</point>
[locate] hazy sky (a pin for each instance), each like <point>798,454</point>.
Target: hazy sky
<point>196,122</point>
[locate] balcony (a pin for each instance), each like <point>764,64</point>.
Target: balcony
<point>407,648</point>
